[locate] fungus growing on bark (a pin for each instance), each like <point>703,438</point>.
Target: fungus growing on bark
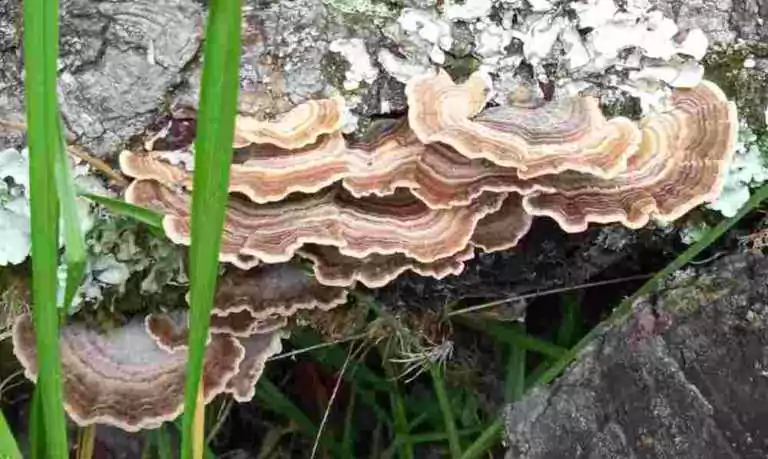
<point>258,349</point>
<point>169,330</point>
<point>273,290</point>
<point>389,157</point>
<point>681,163</point>
<point>272,233</point>
<point>331,267</point>
<point>422,193</point>
<point>294,129</point>
<point>565,134</point>
<point>122,377</point>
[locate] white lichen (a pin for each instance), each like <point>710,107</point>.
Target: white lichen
<point>361,67</point>
<point>15,236</point>
<point>748,169</point>
<point>184,158</point>
<point>400,69</point>
<point>694,233</point>
<point>633,49</point>
<point>467,10</point>
<point>422,38</point>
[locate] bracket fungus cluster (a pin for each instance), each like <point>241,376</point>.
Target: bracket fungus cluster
<point>132,376</point>
<point>423,193</point>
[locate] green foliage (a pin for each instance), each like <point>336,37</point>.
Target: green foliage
<point>8,447</point>
<point>213,156</point>
<point>144,215</point>
<point>41,34</point>
<point>74,254</point>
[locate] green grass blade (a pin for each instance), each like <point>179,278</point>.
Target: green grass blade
<point>358,374</point>
<point>571,326</point>
<point>513,336</point>
<point>514,384</point>
<point>36,427</point>
<point>272,398</point>
<point>142,214</point>
<point>163,442</point>
<point>625,307</point>
<point>74,254</point>
<point>397,405</point>
<point>434,437</point>
<point>445,406</point>
<point>213,156</point>
<point>41,35</point>
<point>334,356</point>
<point>350,430</point>
<point>8,447</point>
<point>487,440</point>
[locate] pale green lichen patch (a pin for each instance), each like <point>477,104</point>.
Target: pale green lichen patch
<point>125,257</point>
<point>748,169</point>
<point>14,207</point>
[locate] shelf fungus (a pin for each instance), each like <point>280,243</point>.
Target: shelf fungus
<point>126,378</point>
<point>389,157</point>
<point>425,192</point>
<point>122,377</point>
<point>272,233</point>
<point>567,134</point>
<point>278,290</point>
<point>681,163</point>
<point>294,129</point>
<point>422,194</point>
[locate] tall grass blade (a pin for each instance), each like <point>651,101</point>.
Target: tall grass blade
<point>272,398</point>
<point>86,441</point>
<point>513,336</point>
<point>142,214</point>
<point>8,446</point>
<point>350,429</point>
<point>36,426</point>
<point>514,385</point>
<point>41,47</point>
<point>74,254</point>
<point>163,442</point>
<point>487,440</point>
<point>569,330</point>
<point>433,437</point>
<point>625,307</point>
<point>213,155</point>
<point>397,405</point>
<point>445,406</point>
<point>199,426</point>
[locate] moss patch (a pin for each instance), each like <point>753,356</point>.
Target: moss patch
<point>748,87</point>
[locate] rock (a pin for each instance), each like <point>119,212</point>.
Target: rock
<point>685,376</point>
<point>11,84</point>
<point>120,58</point>
<point>722,20</point>
<point>286,59</point>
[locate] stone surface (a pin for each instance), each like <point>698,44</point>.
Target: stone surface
<point>686,376</point>
<point>120,58</point>
<point>722,20</point>
<point>286,59</point>
<point>11,84</point>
